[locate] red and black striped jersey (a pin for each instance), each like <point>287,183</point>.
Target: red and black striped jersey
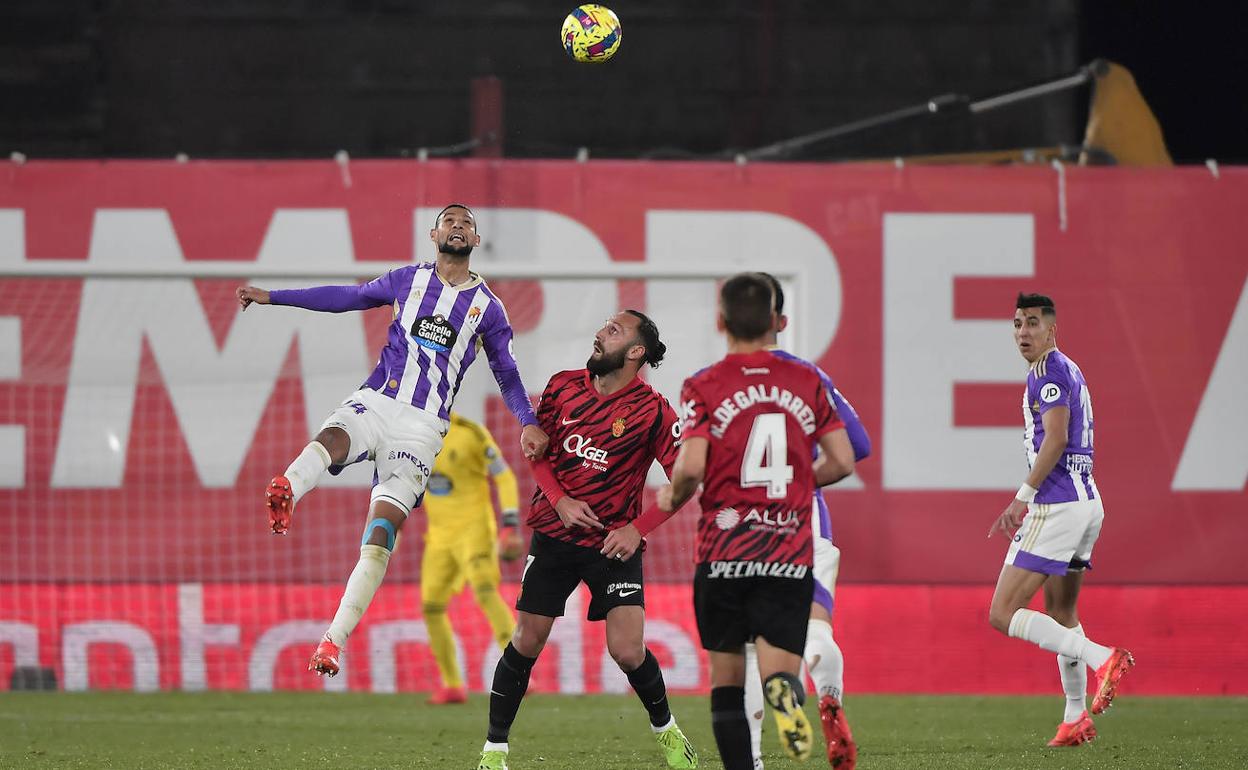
<point>762,416</point>
<point>601,448</point>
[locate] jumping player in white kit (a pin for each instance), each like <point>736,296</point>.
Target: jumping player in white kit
<point>443,315</point>
<point>1054,520</point>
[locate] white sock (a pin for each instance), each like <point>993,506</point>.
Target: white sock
<point>495,747</point>
<point>364,581</point>
<point>754,709</point>
<point>1074,682</point>
<point>307,468</point>
<point>1048,634</point>
<point>824,660</point>
<point>671,722</point>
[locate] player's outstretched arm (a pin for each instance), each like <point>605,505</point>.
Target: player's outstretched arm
<point>249,294</point>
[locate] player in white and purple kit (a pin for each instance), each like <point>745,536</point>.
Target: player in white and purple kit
<point>1055,518</point>
<point>822,655</point>
<point>443,314</point>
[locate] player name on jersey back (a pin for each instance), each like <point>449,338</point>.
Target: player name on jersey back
<point>762,416</point>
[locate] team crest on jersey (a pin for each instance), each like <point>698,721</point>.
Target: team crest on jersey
<point>474,314</point>
<point>618,427</point>
<point>434,332</point>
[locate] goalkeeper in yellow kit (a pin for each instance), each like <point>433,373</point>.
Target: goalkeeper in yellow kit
<point>463,543</point>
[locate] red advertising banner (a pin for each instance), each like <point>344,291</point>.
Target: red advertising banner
<point>141,414</point>
<point>244,637</point>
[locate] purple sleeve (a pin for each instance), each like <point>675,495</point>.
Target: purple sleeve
<point>337,299</point>
<point>497,343</point>
<point>858,437</point>
<point>1052,388</point>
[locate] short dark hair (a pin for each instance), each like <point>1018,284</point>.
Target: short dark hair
<point>747,302</point>
<point>449,206</point>
<point>1036,300</point>
<point>777,291</point>
<point>648,333</point>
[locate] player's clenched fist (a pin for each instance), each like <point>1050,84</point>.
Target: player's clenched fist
<point>249,294</point>
<point>533,442</point>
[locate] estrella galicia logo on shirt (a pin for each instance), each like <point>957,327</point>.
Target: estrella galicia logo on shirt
<point>433,332</point>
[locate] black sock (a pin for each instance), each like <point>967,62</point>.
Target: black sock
<point>647,682</point>
<point>731,728</point>
<point>511,681</point>
<point>799,692</point>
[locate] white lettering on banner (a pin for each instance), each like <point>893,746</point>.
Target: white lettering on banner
<point>218,422</point>
<point>731,241</point>
<point>194,635</point>
<point>12,437</point>
<point>276,639</point>
<point>383,638</point>
<point>923,254</point>
<point>77,637</point>
<point>24,639</point>
<point>1215,456</point>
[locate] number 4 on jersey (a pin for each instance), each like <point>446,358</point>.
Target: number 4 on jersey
<point>765,455</point>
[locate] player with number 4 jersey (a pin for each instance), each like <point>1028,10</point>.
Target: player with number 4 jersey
<point>751,425</point>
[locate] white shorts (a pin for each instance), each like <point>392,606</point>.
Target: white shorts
<point>399,438</point>
<point>1057,537</point>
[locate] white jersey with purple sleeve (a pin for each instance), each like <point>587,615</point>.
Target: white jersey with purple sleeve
<point>1055,380</point>
<point>435,336</point>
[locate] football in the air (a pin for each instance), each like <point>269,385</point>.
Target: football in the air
<point>591,33</point>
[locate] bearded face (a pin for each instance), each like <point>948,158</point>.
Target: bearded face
<point>603,362</point>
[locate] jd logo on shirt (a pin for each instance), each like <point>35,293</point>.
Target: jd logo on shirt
<point>434,333</point>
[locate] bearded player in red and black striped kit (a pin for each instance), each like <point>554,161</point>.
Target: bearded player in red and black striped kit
<point>606,428</point>
<point>751,423</point>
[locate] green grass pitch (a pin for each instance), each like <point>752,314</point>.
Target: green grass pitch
<point>604,732</point>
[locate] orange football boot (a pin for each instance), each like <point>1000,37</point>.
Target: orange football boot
<point>1074,733</point>
<point>281,502</point>
<point>325,660</point>
<point>447,695</point>
<point>1109,676</point>
<point>842,752</point>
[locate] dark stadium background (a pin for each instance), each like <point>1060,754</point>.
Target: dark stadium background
<point>305,78</point>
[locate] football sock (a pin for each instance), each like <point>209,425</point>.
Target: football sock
<point>496,613</point>
<point>754,711</point>
<point>442,642</point>
<point>1074,682</point>
<point>1048,634</point>
<point>824,660</point>
<point>647,682</point>
<point>511,681</point>
<point>728,722</point>
<point>361,586</point>
<point>307,468</point>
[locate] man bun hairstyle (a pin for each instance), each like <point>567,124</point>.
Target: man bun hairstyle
<point>747,302</point>
<point>648,335</point>
<point>1036,300</point>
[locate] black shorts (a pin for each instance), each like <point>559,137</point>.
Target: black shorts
<point>731,611</point>
<point>555,568</point>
